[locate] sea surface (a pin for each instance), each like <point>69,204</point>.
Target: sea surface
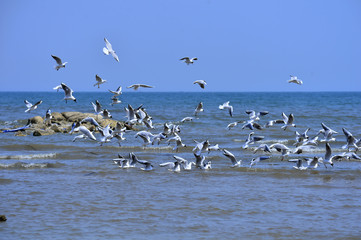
<point>53,188</point>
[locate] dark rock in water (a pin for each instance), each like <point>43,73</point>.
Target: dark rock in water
<point>36,120</point>
<point>3,218</point>
<point>40,132</point>
<point>57,117</point>
<point>36,133</point>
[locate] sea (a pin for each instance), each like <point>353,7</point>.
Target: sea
<point>54,188</point>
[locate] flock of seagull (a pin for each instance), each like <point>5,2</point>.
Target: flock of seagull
<point>170,133</point>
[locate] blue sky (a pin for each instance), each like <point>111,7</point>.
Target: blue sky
<point>241,45</point>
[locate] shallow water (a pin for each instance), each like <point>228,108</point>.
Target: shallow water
<point>54,187</point>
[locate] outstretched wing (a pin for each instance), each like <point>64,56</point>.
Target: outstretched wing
<point>58,60</point>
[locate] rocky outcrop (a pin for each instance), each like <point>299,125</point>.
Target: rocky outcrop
<point>62,122</point>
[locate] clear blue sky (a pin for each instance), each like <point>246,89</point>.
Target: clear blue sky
<point>241,45</point>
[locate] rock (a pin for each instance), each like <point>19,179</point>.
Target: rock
<point>111,122</point>
<point>20,133</point>
<point>57,117</point>
<point>78,116</point>
<point>56,128</point>
<point>36,120</point>
<point>40,132</point>
<point>3,218</point>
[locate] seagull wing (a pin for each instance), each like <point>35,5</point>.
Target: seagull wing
<point>58,60</point>
<point>28,104</point>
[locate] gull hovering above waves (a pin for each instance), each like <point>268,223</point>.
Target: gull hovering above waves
<point>201,83</point>
<point>99,80</point>
<point>255,116</point>
<point>283,149</point>
<point>312,162</point>
<point>351,141</point>
<point>251,140</point>
<point>228,154</point>
<point>187,119</point>
<point>294,79</point>
<point>288,121</point>
<point>188,60</point>
<point>254,161</point>
<point>299,165</point>
<point>214,148</point>
<point>115,100</point>
<point>227,106</point>
<point>301,138</point>
<point>201,146</point>
<point>138,85</point>
<point>108,49</point>
<point>327,133</point>
<point>328,156</point>
<point>263,147</point>
<point>198,109</point>
<point>31,106</point>
<point>76,127</point>
<point>59,62</point>
<point>68,93</point>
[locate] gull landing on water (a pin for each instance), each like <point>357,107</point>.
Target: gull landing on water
<point>294,79</point>
<point>188,60</point>
<point>108,49</point>
<point>59,62</point>
<point>31,106</point>
<point>99,81</point>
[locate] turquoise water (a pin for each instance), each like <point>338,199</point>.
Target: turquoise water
<point>63,189</point>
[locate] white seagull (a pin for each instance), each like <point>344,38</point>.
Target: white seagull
<point>188,60</point>
<point>201,83</point>
<point>68,93</point>
<point>294,79</point>
<point>109,49</point>
<point>59,62</point>
<point>299,165</point>
<point>288,121</point>
<point>227,106</point>
<point>116,92</point>
<point>31,106</point>
<point>254,161</point>
<point>198,109</point>
<point>138,85</point>
<point>99,81</point>
<point>235,163</point>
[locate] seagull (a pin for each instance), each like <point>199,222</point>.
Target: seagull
<point>301,138</point>
<point>272,122</point>
<point>97,107</point>
<point>288,121</point>
<point>148,165</point>
<point>201,83</point>
<point>263,147</point>
<point>251,124</point>
<point>198,109</point>
<point>108,49</point>
<point>299,165</point>
<point>312,162</point>
<point>251,140</point>
<point>185,163</point>
<point>328,158</point>
<point>205,165</point>
<point>213,148</point>
<point>188,60</point>
<point>145,136</point>
<point>172,166</point>
<point>187,119</point>
<point>235,163</point>
<point>351,141</point>
<point>201,146</point>
<point>115,100</point>
<point>116,92</point>
<point>90,120</point>
<point>99,81</point>
<point>254,161</point>
<point>199,159</point>
<point>68,93</point>
<point>76,127</point>
<point>327,133</point>
<point>31,106</point>
<point>106,114</point>
<point>138,85</point>
<point>59,62</point>
<point>255,116</point>
<point>232,125</point>
<point>294,79</point>
<point>48,116</point>
<point>283,149</point>
<point>227,106</point>
<point>57,88</point>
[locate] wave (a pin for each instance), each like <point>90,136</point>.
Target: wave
<point>23,165</point>
<point>29,156</point>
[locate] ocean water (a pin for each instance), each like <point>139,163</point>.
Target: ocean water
<point>55,188</point>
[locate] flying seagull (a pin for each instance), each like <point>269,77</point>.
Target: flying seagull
<point>99,81</point>
<point>136,86</point>
<point>59,62</point>
<point>227,106</point>
<point>201,83</point>
<point>116,92</point>
<point>108,49</point>
<point>294,79</point>
<point>68,93</point>
<point>31,106</point>
<point>188,60</point>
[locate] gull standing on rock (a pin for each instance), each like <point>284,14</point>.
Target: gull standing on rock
<point>109,49</point>
<point>201,83</point>
<point>188,60</point>
<point>99,81</point>
<point>31,106</point>
<point>59,62</point>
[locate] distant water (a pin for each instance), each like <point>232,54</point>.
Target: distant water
<point>54,188</point>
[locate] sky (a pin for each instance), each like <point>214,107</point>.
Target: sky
<point>241,45</point>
